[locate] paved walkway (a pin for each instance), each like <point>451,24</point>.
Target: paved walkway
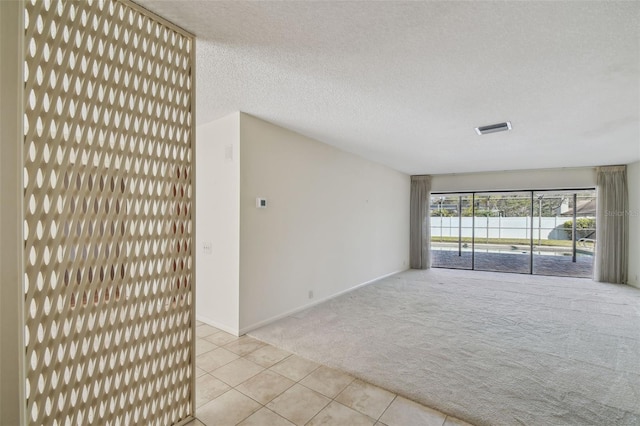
<point>516,262</point>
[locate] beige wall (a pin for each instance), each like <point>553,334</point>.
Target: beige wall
<point>333,221</point>
<point>218,218</point>
<point>11,295</point>
<point>633,179</point>
<point>514,180</point>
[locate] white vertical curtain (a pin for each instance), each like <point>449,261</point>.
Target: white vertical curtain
<point>612,223</point>
<point>420,250</point>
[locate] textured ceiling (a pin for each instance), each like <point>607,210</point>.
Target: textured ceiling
<point>405,83</point>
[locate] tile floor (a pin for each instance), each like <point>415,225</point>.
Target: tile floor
<point>242,381</point>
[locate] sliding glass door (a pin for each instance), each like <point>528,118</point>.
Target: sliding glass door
<point>530,232</point>
<point>564,229</point>
<point>452,231</point>
<point>502,232</point>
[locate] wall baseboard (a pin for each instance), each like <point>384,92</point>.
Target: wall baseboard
<point>245,330</point>
<point>216,324</point>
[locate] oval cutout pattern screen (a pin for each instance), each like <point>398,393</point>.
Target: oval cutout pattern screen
<point>108,205</point>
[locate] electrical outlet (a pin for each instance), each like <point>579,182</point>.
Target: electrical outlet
<point>310,294</point>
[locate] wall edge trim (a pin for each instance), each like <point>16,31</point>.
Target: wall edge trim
<point>219,325</point>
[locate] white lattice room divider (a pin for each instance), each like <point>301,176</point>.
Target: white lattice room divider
<point>108,215</point>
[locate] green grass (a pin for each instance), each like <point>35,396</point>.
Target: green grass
<point>505,241</point>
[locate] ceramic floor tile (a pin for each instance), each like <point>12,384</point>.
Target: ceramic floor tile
<point>404,412</point>
<point>336,414</point>
<point>203,346</point>
<point>267,356</point>
<point>366,398</point>
<point>208,388</point>
<point>265,417</point>
<point>195,422</point>
<point>295,367</point>
<point>205,330</point>
<point>221,338</point>
<point>452,421</point>
<point>265,386</point>
<point>298,404</point>
<point>199,372</point>
<point>228,409</point>
<point>237,371</point>
<point>244,345</point>
<point>199,323</point>
<point>327,381</point>
<point>216,358</point>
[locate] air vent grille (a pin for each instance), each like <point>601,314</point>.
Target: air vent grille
<point>493,128</point>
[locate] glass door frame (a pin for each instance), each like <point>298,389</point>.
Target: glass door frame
<point>531,211</point>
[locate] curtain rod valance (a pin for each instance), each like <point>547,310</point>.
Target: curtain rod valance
<point>611,169</point>
<point>421,178</point>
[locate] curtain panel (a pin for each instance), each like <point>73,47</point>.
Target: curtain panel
<point>612,219</point>
<point>420,250</point>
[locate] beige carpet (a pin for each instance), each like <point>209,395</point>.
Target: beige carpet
<point>492,349</point>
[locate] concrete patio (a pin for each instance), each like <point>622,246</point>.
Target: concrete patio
<point>518,262</point>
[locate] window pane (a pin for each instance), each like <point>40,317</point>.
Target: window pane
<point>451,231</point>
<point>553,233</point>
<point>502,232</point>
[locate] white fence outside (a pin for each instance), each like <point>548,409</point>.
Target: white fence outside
<point>545,228</point>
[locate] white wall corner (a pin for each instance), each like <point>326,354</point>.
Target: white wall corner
<point>218,218</point>
<point>224,327</point>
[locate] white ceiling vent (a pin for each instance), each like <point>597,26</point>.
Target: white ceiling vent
<point>492,128</point>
